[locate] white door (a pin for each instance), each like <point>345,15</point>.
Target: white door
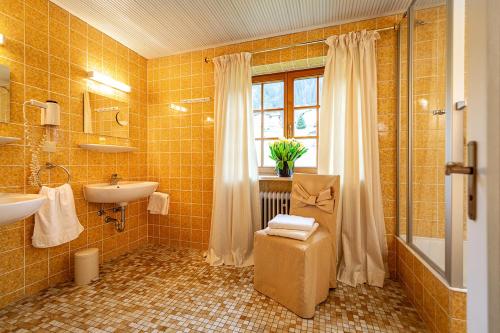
<point>483,263</point>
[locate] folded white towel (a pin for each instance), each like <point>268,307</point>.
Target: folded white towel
<point>295,234</point>
<point>158,203</point>
<point>56,221</point>
<point>292,222</point>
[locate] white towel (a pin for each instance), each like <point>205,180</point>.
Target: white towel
<point>158,203</point>
<point>292,222</point>
<point>56,222</point>
<point>295,234</point>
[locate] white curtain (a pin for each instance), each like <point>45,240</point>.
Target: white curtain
<point>235,207</point>
<point>348,147</point>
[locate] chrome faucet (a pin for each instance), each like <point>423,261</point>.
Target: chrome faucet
<point>114,179</point>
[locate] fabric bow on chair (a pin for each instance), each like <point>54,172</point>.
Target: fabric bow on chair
<point>323,200</point>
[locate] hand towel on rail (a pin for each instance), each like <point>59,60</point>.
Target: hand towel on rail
<point>56,221</point>
<point>158,203</point>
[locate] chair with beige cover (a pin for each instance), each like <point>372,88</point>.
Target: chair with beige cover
<point>298,274</point>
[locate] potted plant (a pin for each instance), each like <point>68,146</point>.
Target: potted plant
<point>285,152</point>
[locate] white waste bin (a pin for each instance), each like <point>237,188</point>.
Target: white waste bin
<point>86,266</point>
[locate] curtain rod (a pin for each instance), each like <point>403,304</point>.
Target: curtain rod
<point>317,41</point>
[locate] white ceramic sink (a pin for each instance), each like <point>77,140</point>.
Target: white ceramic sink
<point>121,194</point>
<point>17,206</point>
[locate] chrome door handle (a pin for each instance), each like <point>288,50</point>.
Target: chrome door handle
<point>470,170</point>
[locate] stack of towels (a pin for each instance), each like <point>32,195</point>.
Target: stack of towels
<point>291,226</point>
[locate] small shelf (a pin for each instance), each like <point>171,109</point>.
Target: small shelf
<point>8,139</point>
<point>107,148</point>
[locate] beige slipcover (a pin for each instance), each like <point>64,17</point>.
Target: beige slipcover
<point>298,274</point>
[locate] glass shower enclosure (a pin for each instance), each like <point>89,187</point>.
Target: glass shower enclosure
<point>431,215</point>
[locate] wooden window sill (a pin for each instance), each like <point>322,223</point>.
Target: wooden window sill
<point>274,178</point>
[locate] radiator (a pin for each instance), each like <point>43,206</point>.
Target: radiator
<point>272,204</point>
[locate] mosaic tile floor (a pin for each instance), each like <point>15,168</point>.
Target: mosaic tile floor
<point>158,289</point>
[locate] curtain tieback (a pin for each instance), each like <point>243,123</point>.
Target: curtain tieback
<point>323,200</point>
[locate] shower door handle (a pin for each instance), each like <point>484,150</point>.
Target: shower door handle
<point>470,170</point>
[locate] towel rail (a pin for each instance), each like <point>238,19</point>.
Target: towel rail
<point>49,166</point>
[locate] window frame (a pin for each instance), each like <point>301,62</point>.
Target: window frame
<point>288,109</point>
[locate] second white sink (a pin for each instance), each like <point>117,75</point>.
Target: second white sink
<point>121,193</point>
<point>17,206</point>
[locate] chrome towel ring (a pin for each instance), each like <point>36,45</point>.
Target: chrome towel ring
<point>49,166</point>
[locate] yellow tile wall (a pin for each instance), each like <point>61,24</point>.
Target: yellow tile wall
<point>49,51</point>
<point>180,144</point>
<point>443,309</point>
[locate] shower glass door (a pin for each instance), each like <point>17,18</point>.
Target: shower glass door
<point>430,134</point>
<point>428,130</point>
<point>402,143</point>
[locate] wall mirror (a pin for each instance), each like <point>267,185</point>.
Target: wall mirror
<point>4,94</point>
<point>103,115</point>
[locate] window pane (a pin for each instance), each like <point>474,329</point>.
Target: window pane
<point>274,95</point>
<point>309,158</point>
<point>305,122</point>
<point>320,88</point>
<point>268,162</point>
<point>256,96</point>
<point>273,124</point>
<point>257,125</point>
<point>304,92</point>
<point>258,149</point>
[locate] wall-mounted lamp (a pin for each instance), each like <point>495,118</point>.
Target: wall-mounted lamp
<point>2,39</point>
<point>104,79</point>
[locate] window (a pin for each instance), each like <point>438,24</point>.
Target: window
<point>287,105</point>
